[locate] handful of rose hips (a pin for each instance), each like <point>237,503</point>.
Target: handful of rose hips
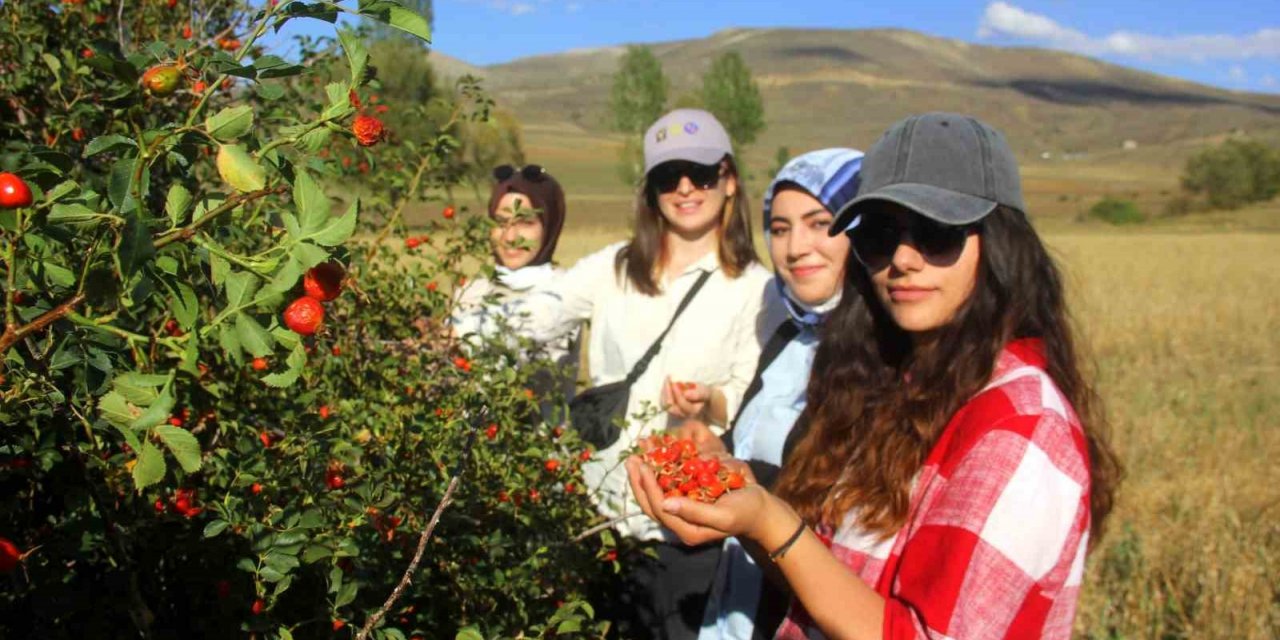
<point>683,473</point>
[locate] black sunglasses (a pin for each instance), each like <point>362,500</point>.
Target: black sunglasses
<point>877,236</point>
<point>665,177</point>
<point>530,172</point>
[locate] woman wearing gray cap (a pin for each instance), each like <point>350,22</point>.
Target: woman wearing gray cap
<point>956,461</point>
<point>676,324</point>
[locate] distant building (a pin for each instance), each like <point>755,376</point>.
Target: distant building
<point>1129,145</point>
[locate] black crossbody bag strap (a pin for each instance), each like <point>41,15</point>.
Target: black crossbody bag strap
<point>643,363</point>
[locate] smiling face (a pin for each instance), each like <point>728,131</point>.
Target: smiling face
<point>922,291</point>
<point>808,260</point>
<point>518,234</point>
<point>693,210</point>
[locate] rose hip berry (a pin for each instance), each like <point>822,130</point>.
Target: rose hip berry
<point>368,130</point>
<point>14,192</point>
<point>304,316</point>
<point>10,555</point>
<point>259,364</point>
<point>162,79</point>
<point>324,282</point>
<point>681,472</point>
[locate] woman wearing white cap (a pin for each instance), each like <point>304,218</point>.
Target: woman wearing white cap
<point>956,464</point>
<point>678,302</point>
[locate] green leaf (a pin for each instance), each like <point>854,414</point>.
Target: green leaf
<point>310,201</point>
<point>336,231</point>
<point>357,57</point>
<point>270,92</point>
<point>185,306</point>
<point>184,446</point>
<point>469,633</point>
<point>316,553</point>
<point>253,337</point>
<point>569,626</point>
<point>155,414</point>
<point>309,254</point>
<point>229,342</point>
<point>58,274</point>
<point>239,169</point>
<point>62,189</point>
<point>296,360</point>
<point>150,467</point>
<point>216,527</point>
<point>141,389</point>
<point>107,143</point>
<point>230,123</point>
<point>241,285</point>
<point>397,16</point>
<point>72,213</point>
<point>287,276</point>
<point>347,595</point>
<point>285,633</point>
<point>219,268</point>
<point>115,409</point>
<point>283,563</point>
<point>270,66</point>
<point>177,202</point>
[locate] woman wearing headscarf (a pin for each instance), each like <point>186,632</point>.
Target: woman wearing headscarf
<point>527,207</point>
<point>809,263</point>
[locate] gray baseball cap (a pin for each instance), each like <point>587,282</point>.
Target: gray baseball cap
<point>685,134</point>
<point>949,167</point>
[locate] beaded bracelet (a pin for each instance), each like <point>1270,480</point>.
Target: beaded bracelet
<point>781,551</point>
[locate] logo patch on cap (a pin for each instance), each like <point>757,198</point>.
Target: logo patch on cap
<point>660,135</point>
<point>690,128</point>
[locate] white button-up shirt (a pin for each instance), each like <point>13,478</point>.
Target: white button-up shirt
<point>715,342</point>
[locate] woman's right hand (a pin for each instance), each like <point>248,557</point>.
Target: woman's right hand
<point>707,441</point>
<point>735,513</point>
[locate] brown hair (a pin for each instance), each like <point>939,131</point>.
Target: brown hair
<point>546,196</point>
<point>642,258</point>
<point>876,406</point>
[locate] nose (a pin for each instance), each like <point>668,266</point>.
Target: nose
<point>799,242</point>
<point>907,257</point>
<point>685,187</point>
<point>509,234</point>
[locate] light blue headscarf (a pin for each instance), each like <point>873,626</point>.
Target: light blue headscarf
<point>832,177</point>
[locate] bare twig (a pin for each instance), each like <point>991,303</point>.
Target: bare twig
<point>407,578</point>
<point>605,525</point>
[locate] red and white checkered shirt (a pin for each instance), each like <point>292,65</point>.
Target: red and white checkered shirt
<point>995,542</point>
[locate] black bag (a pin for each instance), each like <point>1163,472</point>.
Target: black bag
<point>594,411</point>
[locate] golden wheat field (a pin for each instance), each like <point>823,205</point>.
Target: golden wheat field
<point>1185,329</point>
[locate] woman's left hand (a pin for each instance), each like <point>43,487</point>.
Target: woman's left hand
<point>685,399</point>
<point>734,514</point>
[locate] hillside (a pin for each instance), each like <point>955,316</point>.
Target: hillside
<point>828,86</point>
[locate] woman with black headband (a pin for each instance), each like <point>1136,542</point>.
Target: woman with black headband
<point>527,207</point>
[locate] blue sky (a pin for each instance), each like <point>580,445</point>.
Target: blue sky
<point>1199,40</point>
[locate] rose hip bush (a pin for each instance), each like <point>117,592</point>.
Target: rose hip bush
<point>229,402</point>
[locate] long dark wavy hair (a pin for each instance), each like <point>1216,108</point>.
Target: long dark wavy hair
<point>643,258</point>
<point>876,405</point>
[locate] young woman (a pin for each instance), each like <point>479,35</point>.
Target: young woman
<point>956,463</point>
<point>527,206</point>
<point>809,264</point>
<point>690,220</point>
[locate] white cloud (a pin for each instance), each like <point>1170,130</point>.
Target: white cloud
<point>1237,74</point>
<point>1268,81</point>
<point>520,8</point>
<point>573,7</point>
<point>1004,20</point>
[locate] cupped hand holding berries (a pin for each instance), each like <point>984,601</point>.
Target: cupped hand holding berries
<point>735,513</point>
<point>707,441</point>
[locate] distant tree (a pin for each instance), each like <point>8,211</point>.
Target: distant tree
<point>1117,211</point>
<point>638,98</point>
<point>489,144</point>
<point>732,95</point>
<point>1236,173</point>
<point>780,158</point>
<point>639,94</point>
<point>691,100</point>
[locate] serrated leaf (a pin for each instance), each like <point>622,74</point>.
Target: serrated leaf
<point>287,276</point>
<point>285,633</point>
<point>399,17</point>
<point>314,140</point>
<point>155,414</point>
<point>230,123</point>
<point>270,92</point>
<point>316,553</point>
<point>239,169</point>
<point>310,201</point>
<point>116,409</point>
<point>337,230</point>
<point>184,446</point>
<point>107,143</point>
<point>229,342</point>
<point>253,337</point>
<point>216,527</point>
<point>150,467</point>
<point>58,274</point>
<point>357,57</point>
<point>60,190</point>
<point>241,286</point>
<point>283,563</point>
<point>309,254</point>
<point>72,213</point>
<point>176,203</point>
<point>296,361</point>
<point>219,268</point>
<point>270,66</point>
<point>270,574</point>
<point>291,225</point>
<point>141,389</point>
<point>569,626</point>
<point>185,305</point>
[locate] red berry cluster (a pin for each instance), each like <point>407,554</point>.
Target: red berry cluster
<point>333,476</point>
<point>183,503</point>
<point>683,473</point>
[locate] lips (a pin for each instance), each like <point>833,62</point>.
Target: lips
<point>805,272</point>
<point>688,207</point>
<point>909,294</point>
